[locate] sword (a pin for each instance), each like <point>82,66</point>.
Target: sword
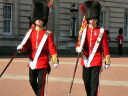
<point>74,74</point>
<point>22,44</point>
<point>8,64</point>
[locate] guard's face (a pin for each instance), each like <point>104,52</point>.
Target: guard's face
<point>92,22</point>
<point>39,22</point>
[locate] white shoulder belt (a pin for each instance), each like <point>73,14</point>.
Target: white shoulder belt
<point>83,38</point>
<point>26,37</point>
<point>89,60</point>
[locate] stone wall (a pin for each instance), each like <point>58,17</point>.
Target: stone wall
<point>60,21</point>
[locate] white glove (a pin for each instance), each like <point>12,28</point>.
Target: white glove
<point>56,65</point>
<point>20,48</point>
<point>78,49</point>
<point>107,66</point>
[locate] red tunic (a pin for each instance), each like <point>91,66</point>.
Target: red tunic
<point>33,43</point>
<point>120,39</point>
<point>89,44</point>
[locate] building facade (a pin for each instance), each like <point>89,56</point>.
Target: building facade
<point>15,21</point>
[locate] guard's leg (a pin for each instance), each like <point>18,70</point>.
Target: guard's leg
<point>95,80</point>
<point>120,50</point>
<point>33,79</point>
<point>86,78</point>
<point>41,81</point>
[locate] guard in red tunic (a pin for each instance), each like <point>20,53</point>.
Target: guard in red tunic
<point>120,41</point>
<point>92,39</point>
<point>39,41</point>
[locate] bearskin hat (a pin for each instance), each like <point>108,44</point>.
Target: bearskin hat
<point>92,9</point>
<point>40,11</point>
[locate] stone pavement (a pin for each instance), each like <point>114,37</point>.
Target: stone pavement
<point>15,82</point>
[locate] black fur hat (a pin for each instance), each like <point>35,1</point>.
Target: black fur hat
<point>92,9</point>
<point>40,11</point>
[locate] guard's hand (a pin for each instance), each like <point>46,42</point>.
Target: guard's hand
<point>20,49</point>
<point>107,66</point>
<point>78,49</point>
<point>107,62</point>
<point>56,65</point>
<point>55,60</point>
<point>33,67</point>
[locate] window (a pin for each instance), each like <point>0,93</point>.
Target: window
<point>126,25</point>
<point>7,19</point>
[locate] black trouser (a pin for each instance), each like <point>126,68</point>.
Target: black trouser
<point>120,49</point>
<point>91,80</point>
<point>37,80</point>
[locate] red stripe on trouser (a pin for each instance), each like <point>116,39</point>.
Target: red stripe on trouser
<point>99,80</point>
<point>42,91</point>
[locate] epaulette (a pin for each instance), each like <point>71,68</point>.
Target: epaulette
<point>49,31</point>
